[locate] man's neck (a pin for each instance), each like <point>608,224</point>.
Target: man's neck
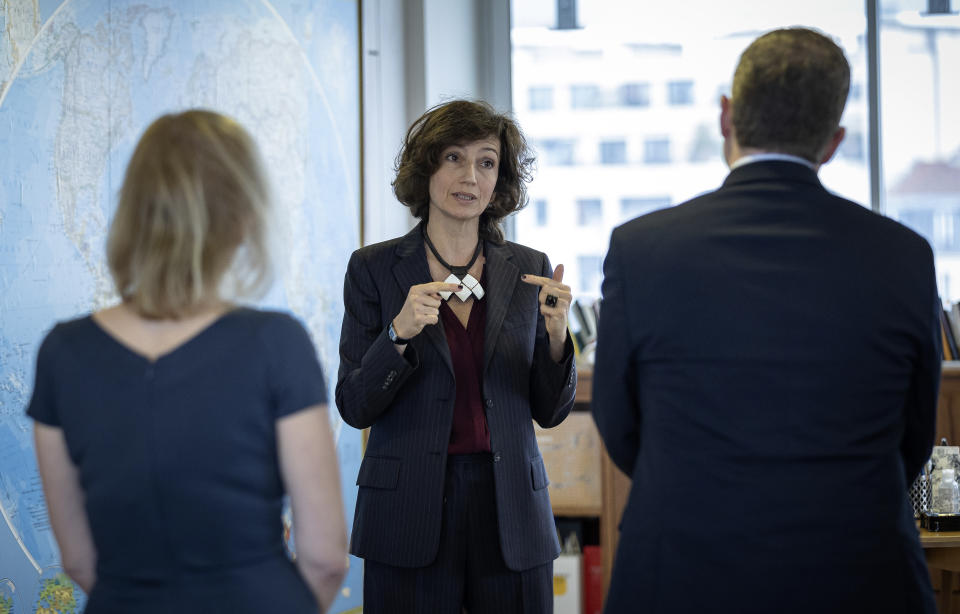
<point>738,157</point>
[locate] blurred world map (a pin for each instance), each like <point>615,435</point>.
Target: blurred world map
<point>79,82</point>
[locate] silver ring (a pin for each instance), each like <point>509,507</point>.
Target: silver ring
<point>551,301</point>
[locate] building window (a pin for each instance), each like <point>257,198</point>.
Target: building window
<point>851,147</point>
<point>634,95</point>
<point>589,211</point>
<point>540,211</point>
<point>590,267</point>
<point>541,98</point>
<point>706,146</point>
<point>613,152</point>
<point>557,152</point>
<point>634,207</point>
<point>656,150</point>
<point>585,96</point>
<point>680,93</point>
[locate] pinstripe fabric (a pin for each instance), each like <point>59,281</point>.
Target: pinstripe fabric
<point>468,571</point>
<point>408,403</point>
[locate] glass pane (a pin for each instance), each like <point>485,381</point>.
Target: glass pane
<point>920,129</point>
<point>633,123</point>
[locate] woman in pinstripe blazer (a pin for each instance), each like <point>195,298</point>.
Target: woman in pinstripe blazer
<point>449,364</point>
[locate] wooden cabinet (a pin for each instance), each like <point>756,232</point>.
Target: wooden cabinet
<point>948,406</point>
<point>948,425</point>
<point>584,482</point>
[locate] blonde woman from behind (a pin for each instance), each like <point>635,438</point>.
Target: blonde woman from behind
<point>170,426</point>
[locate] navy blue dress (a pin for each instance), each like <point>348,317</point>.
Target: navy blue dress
<point>178,460</point>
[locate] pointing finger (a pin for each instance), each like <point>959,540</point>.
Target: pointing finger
<point>440,286</point>
<point>536,280</point>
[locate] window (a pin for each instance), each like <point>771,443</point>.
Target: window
<point>920,154</point>
<point>590,269</point>
<point>613,152</point>
<point>656,150</point>
<point>634,95</point>
<point>585,96</point>
<point>706,145</point>
<point>557,152</point>
<point>852,146</point>
<point>856,91</point>
<point>950,235</point>
<point>541,98</point>
<point>634,207</point>
<point>540,209</point>
<point>589,212</point>
<point>640,130</point>
<point>680,93</point>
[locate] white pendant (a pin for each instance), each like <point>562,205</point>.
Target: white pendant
<point>452,279</point>
<point>474,284</point>
<point>470,286</point>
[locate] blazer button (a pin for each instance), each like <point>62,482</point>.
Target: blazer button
<point>496,457</point>
<point>489,402</point>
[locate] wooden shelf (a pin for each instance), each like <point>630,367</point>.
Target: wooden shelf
<point>585,386</point>
<point>578,511</point>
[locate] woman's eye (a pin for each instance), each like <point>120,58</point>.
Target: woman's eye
<point>452,157</point>
<point>487,164</point>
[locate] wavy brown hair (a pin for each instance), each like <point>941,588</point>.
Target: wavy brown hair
<point>459,122</point>
<point>789,91</point>
<point>192,208</point>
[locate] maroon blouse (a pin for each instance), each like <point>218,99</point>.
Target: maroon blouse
<point>469,432</point>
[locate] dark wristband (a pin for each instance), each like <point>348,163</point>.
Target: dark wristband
<point>392,333</point>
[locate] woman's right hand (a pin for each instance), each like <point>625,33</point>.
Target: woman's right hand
<point>421,308</point>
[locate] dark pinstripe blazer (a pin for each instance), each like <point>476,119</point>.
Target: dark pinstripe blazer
<point>408,403</point>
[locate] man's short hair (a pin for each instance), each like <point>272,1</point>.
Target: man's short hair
<point>789,91</point>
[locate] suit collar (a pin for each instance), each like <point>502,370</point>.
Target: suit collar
<point>771,170</point>
<point>502,277</point>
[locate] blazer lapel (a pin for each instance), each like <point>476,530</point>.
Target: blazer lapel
<point>411,270</point>
<point>502,277</point>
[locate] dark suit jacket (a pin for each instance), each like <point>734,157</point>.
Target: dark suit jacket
<point>408,403</point>
<point>767,372</point>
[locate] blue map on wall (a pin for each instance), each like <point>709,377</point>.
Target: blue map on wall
<point>79,82</point>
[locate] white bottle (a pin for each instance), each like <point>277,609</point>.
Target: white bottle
<point>946,493</point>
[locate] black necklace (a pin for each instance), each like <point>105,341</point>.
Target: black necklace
<point>459,271</point>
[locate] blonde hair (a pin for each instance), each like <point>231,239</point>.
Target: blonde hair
<point>192,208</point>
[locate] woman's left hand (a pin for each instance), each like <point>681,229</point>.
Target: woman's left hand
<point>555,299</point>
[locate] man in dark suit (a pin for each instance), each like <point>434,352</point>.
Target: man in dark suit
<point>767,371</point>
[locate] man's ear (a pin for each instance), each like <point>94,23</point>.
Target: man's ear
<point>726,117</point>
<point>831,148</point>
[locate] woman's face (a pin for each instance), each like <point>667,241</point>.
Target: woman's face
<point>463,184</point>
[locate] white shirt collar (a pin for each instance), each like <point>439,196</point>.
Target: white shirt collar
<point>766,157</point>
